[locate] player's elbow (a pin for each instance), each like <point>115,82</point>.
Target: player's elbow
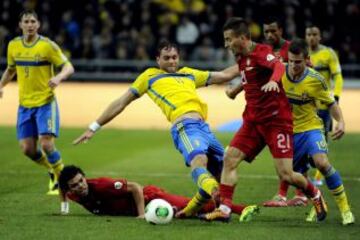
<point>70,69</point>
<point>135,188</point>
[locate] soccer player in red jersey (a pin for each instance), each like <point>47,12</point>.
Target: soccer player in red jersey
<point>273,31</point>
<point>119,197</point>
<point>267,120</point>
<point>273,36</point>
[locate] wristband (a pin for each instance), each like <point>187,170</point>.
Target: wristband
<point>94,126</point>
<point>64,207</point>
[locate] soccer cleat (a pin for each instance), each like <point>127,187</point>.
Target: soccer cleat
<point>54,192</point>
<point>320,206</point>
<point>311,217</point>
<point>216,215</point>
<point>248,213</point>
<point>276,201</point>
<point>298,201</point>
<point>53,185</point>
<point>347,218</point>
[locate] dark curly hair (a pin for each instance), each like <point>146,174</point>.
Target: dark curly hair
<point>66,174</point>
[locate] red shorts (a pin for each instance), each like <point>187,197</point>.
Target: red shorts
<point>152,192</point>
<point>252,137</point>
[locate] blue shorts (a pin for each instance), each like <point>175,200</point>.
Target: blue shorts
<point>192,137</point>
<point>327,120</point>
<point>306,144</point>
<point>36,121</point>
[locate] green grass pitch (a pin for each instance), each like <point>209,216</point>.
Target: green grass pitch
<point>149,157</point>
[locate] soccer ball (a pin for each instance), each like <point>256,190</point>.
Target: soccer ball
<point>158,211</point>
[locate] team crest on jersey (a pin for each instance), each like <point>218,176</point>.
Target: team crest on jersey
<point>37,57</point>
<point>270,57</point>
<point>118,185</point>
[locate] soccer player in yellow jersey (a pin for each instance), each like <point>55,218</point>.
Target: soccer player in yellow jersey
<point>174,91</point>
<point>304,86</point>
<point>326,62</point>
<point>32,58</point>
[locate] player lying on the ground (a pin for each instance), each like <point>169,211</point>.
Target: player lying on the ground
<point>119,197</point>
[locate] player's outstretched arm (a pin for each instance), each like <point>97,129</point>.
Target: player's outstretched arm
<point>114,109</point>
<point>339,129</point>
<point>225,75</point>
<point>6,78</point>
<point>66,71</point>
<point>278,72</point>
<point>138,195</point>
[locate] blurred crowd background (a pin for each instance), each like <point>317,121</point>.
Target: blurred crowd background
<point>130,29</point>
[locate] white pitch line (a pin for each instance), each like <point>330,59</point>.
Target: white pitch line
<point>184,175</point>
<point>157,174</point>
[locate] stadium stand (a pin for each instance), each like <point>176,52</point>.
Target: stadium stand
<point>129,30</point>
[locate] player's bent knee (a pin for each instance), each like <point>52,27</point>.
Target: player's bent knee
<point>231,162</point>
<point>199,161</point>
<point>28,149</point>
<point>47,145</point>
<point>286,176</point>
<point>322,164</point>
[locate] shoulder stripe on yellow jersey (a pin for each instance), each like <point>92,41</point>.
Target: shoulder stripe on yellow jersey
<point>32,63</point>
<point>321,68</point>
<point>162,98</point>
<point>319,77</point>
<point>154,79</point>
<point>297,80</point>
<point>299,102</point>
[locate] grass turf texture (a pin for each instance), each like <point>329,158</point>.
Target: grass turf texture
<point>148,157</point>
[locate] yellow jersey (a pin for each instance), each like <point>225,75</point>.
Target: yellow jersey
<point>174,93</point>
<point>34,68</point>
<point>303,94</point>
<point>326,62</point>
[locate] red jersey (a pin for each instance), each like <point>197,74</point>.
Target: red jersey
<point>282,52</point>
<point>107,196</point>
<point>257,68</point>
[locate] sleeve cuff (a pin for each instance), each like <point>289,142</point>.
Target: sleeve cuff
<point>207,83</point>
<point>135,92</point>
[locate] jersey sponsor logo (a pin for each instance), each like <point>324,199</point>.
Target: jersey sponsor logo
<point>270,57</point>
<point>118,185</point>
<point>248,61</point>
